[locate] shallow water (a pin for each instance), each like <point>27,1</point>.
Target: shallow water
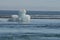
<point>36,29</point>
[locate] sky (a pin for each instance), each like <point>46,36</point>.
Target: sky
<point>42,5</point>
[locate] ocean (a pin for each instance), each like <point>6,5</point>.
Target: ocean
<point>10,12</point>
<point>36,29</point>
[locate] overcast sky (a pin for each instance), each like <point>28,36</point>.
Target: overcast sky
<point>30,4</point>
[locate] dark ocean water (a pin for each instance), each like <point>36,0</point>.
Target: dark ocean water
<point>10,12</point>
<point>36,29</point>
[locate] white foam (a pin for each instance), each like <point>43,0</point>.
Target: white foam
<point>23,17</point>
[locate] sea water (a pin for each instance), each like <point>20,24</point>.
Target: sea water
<point>36,29</point>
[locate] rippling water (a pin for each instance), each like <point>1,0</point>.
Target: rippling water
<point>36,29</point>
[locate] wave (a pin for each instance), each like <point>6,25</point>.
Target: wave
<point>30,25</point>
<point>29,36</point>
